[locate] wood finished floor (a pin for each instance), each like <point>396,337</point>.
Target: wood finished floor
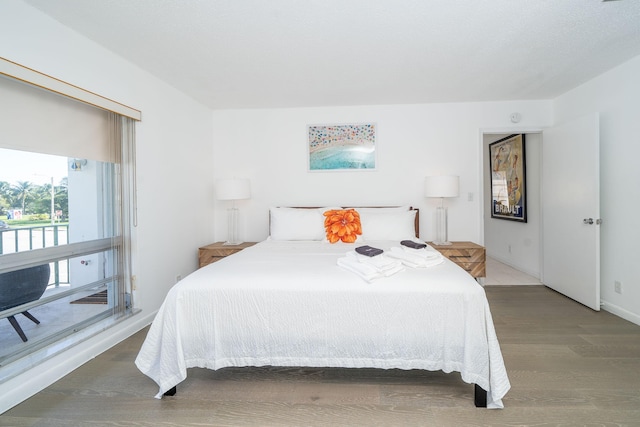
<point>568,366</point>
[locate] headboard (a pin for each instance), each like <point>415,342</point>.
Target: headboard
<point>416,220</point>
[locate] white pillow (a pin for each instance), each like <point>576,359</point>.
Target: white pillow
<point>388,225</point>
<point>297,223</point>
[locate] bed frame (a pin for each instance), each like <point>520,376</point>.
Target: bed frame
<point>480,394</point>
<point>479,397</point>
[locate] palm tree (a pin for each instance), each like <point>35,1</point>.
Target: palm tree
<point>22,190</point>
<point>62,197</point>
<point>40,199</point>
<point>4,196</point>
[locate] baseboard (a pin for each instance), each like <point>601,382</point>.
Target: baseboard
<point>620,312</point>
<point>41,376</point>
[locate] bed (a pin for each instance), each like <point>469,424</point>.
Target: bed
<point>286,301</point>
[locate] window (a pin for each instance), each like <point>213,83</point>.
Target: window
<point>65,190</point>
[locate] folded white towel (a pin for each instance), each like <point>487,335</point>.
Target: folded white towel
<point>416,258</point>
<point>423,252</point>
<point>367,271</point>
<point>393,270</point>
<point>370,268</point>
<point>384,264</point>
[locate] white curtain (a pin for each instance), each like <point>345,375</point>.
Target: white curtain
<point>32,117</point>
<point>122,134</point>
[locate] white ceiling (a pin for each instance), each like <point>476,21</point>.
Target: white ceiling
<point>298,53</point>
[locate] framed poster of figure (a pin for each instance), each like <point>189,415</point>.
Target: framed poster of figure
<point>508,178</point>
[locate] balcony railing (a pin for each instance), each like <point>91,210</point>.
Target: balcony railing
<point>41,236</point>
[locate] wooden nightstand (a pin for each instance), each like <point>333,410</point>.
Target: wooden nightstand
<point>216,251</point>
<point>467,255</point>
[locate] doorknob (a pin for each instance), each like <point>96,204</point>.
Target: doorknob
<point>590,221</point>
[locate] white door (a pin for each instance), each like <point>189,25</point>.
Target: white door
<point>571,209</point>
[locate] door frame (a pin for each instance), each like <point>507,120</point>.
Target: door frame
<point>482,191</point>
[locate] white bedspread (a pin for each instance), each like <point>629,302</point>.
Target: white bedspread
<point>290,304</point>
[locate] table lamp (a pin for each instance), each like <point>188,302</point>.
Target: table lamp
<point>441,186</point>
<point>233,189</point>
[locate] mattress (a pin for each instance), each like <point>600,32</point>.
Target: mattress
<point>288,303</point>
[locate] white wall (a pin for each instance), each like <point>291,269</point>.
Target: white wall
<point>175,208</point>
<point>269,147</point>
<point>515,243</point>
<point>615,96</point>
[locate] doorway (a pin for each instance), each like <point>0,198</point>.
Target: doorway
<point>514,247</point>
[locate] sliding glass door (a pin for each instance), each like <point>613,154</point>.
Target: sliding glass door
<point>65,178</point>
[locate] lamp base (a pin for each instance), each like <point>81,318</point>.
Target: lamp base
<point>441,227</point>
<point>232,227</point>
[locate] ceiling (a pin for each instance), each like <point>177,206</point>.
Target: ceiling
<point>303,53</point>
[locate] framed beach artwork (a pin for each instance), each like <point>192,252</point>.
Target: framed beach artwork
<point>342,147</point>
<point>508,179</point>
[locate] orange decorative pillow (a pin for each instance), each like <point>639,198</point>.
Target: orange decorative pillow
<point>342,224</point>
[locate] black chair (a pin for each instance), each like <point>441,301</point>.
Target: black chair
<point>20,287</point>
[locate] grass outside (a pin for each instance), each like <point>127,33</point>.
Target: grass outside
<point>30,223</point>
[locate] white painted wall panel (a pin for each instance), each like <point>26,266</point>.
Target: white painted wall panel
<point>269,147</point>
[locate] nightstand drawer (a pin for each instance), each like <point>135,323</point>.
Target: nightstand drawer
<point>216,251</point>
<point>464,255</point>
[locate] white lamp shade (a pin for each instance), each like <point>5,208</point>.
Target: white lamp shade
<point>442,186</point>
<point>233,189</point>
